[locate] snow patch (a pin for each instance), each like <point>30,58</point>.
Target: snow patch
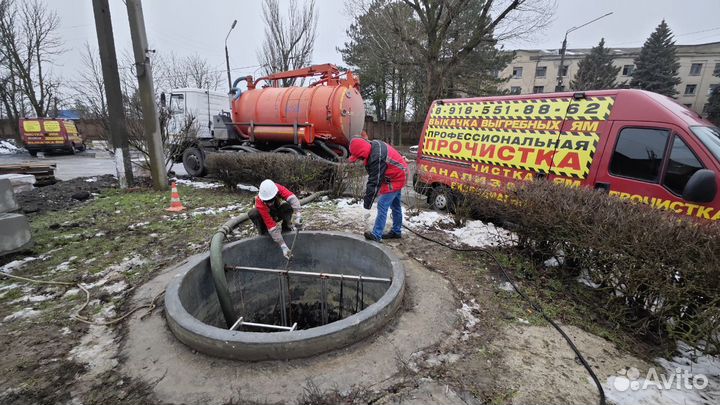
<point>469,319</point>
<point>115,288</point>
<point>619,388</point>
<point>215,211</point>
<point>91,180</point>
<point>16,264</point>
<point>428,219</point>
<point>247,187</point>
<point>7,148</point>
<point>97,349</point>
<point>138,225</point>
<point>479,234</point>
<point>198,184</point>
<point>21,314</point>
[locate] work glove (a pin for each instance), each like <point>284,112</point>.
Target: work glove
<point>286,252</point>
<point>298,221</point>
<point>366,218</point>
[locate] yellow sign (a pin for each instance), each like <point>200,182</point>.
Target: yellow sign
<point>550,136</point>
<point>70,127</point>
<point>51,126</point>
<point>31,126</point>
<point>589,109</point>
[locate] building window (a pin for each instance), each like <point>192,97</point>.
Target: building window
<point>628,70</point>
<point>515,90</point>
<point>639,153</point>
<point>712,88</point>
<point>564,70</point>
<point>690,89</point>
<point>538,89</point>
<point>541,71</point>
<point>517,72</point>
<point>681,166</point>
<point>716,71</point>
<point>695,69</point>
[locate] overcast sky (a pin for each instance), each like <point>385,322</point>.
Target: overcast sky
<point>199,27</point>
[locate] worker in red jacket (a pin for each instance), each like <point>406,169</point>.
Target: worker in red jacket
<point>387,173</point>
<point>275,203</point>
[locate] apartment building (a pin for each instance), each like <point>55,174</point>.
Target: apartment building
<point>535,71</point>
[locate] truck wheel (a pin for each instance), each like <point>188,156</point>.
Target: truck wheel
<point>33,153</point>
<point>72,149</point>
<point>194,162</point>
<point>441,199</point>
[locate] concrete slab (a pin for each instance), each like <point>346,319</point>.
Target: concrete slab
<point>180,375</point>
<point>7,197</point>
<point>14,233</point>
<point>20,182</point>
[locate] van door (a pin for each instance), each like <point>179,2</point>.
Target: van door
<point>651,163</point>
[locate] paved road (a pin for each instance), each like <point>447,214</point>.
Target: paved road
<point>80,165</point>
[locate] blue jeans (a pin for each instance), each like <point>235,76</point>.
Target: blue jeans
<point>385,201</point>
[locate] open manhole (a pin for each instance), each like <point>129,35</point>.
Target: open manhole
<point>337,290</point>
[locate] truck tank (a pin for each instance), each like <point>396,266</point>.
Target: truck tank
<point>327,113</point>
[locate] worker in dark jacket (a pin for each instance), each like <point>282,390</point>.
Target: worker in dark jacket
<point>387,172</point>
<point>273,204</point>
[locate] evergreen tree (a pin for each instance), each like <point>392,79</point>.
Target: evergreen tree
<point>713,106</point>
<point>656,68</point>
<point>596,71</point>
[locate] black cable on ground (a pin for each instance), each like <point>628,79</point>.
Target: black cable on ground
<point>535,306</point>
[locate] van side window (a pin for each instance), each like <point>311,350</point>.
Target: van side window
<point>681,166</point>
<point>639,153</point>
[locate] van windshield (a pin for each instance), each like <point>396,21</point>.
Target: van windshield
<point>710,137</point>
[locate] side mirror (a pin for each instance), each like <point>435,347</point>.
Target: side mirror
<point>163,100</point>
<point>701,187</point>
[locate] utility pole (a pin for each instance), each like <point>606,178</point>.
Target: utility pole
<point>143,70</point>
<point>227,55</point>
<point>113,93</point>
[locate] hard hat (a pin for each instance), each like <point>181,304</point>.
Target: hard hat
<point>268,190</point>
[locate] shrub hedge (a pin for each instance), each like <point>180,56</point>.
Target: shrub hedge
<point>660,272</point>
<point>295,172</point>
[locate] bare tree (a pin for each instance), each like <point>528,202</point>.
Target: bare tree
<point>443,35</point>
<point>28,42</point>
<point>188,71</point>
<point>288,43</point>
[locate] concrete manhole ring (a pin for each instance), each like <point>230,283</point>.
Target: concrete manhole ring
<point>193,310</point>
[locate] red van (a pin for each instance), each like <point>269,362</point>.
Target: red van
<point>50,135</point>
<point>634,144</point>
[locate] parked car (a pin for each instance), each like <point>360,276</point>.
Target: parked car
<point>50,135</point>
<point>414,149</point>
<point>633,144</point>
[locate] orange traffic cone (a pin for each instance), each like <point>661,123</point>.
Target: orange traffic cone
<point>175,204</point>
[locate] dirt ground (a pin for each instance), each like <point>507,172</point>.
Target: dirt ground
<point>495,349</point>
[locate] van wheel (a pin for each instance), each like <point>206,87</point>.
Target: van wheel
<point>194,162</point>
<point>441,199</point>
<point>33,153</point>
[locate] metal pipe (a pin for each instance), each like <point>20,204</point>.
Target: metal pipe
<point>217,265</point>
<point>237,323</point>
<point>268,326</point>
<point>283,305</point>
<point>334,276</point>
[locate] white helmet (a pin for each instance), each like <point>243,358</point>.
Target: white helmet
<point>268,190</point>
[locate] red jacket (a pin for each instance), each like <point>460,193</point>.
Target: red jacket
<point>264,210</point>
<point>386,167</point>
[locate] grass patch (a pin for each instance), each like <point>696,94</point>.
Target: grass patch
<point>77,244</point>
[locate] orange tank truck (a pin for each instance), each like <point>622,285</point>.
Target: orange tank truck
<point>327,113</point>
<point>318,119</point>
